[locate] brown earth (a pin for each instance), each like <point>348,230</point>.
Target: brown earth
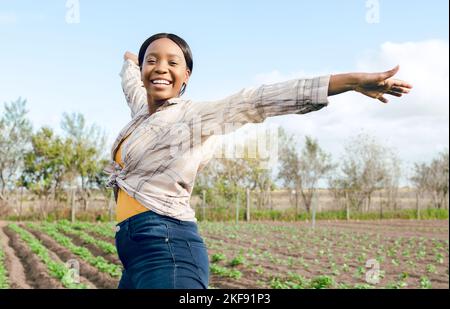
<point>36,272</point>
<point>14,267</point>
<point>101,280</point>
<point>336,237</point>
<point>93,249</point>
<point>388,232</point>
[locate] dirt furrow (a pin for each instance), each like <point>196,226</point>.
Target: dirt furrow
<point>102,237</point>
<point>94,249</point>
<point>16,272</point>
<point>83,280</point>
<point>101,280</point>
<point>36,272</point>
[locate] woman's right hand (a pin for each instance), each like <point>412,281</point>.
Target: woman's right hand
<point>131,56</point>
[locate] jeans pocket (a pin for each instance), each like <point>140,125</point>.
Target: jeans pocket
<point>121,243</point>
<point>148,230</point>
<point>200,257</point>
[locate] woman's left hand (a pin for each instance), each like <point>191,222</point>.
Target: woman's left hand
<point>375,85</point>
<point>130,56</point>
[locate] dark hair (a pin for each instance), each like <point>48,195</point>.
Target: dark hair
<point>177,40</point>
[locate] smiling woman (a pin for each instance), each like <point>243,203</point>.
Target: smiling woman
<point>157,236</point>
<point>166,65</point>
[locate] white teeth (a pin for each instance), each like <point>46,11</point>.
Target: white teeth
<point>160,81</point>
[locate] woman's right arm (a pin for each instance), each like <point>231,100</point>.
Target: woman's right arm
<point>254,105</point>
<point>132,85</point>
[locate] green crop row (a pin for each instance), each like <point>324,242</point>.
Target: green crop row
<point>4,283</point>
<point>105,246</point>
<point>105,230</point>
<point>56,269</point>
<point>97,261</point>
<point>225,272</point>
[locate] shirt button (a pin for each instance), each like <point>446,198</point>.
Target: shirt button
<point>117,228</point>
<point>167,239</point>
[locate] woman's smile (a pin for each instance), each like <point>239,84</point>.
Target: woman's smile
<point>164,71</point>
<point>160,83</point>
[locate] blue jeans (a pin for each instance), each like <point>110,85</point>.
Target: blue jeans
<point>160,252</point>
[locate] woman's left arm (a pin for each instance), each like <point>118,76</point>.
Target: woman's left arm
<point>373,85</point>
<point>132,86</point>
<point>297,96</point>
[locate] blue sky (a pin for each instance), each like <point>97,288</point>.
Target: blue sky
<point>66,67</point>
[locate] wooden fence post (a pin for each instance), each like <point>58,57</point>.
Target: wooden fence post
<point>314,206</point>
<point>72,208</point>
<point>247,218</point>
<point>111,206</point>
<point>347,207</point>
<point>237,208</point>
<point>203,204</point>
<point>21,203</point>
<point>417,206</point>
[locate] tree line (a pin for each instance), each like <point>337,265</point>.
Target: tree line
<point>47,165</point>
<point>365,167</point>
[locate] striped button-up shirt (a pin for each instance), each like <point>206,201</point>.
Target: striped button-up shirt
<point>165,150</point>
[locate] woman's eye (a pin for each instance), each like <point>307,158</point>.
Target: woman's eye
<point>173,63</point>
<point>151,61</point>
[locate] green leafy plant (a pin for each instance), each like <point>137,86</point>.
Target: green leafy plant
<point>238,260</point>
<point>425,282</point>
<point>217,257</point>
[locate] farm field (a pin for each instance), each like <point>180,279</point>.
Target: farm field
<point>266,254</point>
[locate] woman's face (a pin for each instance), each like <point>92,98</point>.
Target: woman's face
<point>164,69</point>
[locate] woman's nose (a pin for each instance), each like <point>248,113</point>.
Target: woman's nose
<point>160,68</point>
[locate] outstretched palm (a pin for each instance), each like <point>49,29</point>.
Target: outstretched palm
<point>375,85</point>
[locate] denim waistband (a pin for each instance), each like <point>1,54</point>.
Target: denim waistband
<point>151,215</point>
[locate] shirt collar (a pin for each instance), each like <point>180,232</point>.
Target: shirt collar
<point>168,102</point>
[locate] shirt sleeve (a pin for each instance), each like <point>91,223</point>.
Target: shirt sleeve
<point>132,86</point>
<point>254,105</point>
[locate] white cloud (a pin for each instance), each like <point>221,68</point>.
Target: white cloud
<point>416,125</point>
<point>425,65</point>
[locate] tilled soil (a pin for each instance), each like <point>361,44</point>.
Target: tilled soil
<point>37,276</point>
<point>337,238</point>
<point>14,267</point>
<point>390,228</point>
<point>94,249</point>
<point>111,240</point>
<point>389,231</point>
<point>100,279</point>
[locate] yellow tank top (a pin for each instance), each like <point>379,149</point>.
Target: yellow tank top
<point>126,205</point>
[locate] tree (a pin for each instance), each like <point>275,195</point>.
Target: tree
<point>260,179</point>
<point>15,136</point>
<point>257,169</point>
<point>224,179</point>
<point>391,181</point>
<point>438,180</point>
<point>302,173</point>
<point>339,189</point>
<point>46,165</point>
<point>367,166</point>
<point>289,165</point>
<point>432,178</point>
<point>86,161</point>
<point>419,180</point>
<point>315,164</point>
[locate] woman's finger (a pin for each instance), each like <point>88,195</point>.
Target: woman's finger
<point>390,73</point>
<point>394,93</point>
<point>383,99</point>
<point>401,83</point>
<point>400,89</point>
